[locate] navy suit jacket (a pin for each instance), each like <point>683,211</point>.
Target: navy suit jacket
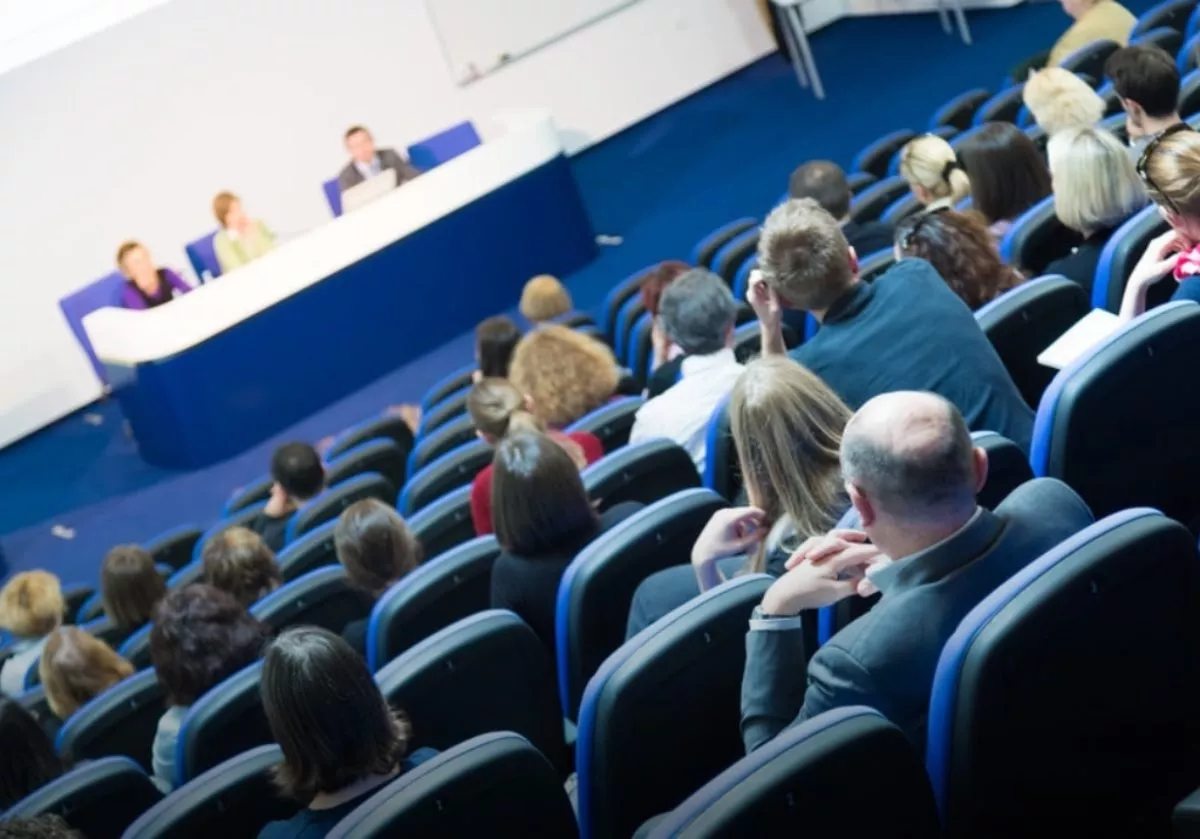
<point>886,659</point>
<point>388,159</point>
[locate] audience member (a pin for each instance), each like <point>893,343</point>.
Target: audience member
<point>366,161</point>
<point>76,667</point>
<point>27,757</point>
<point>130,587</point>
<point>787,428</point>
<point>1147,81</point>
<point>31,607</point>
<point>238,561</point>
<point>563,374</point>
<point>1096,189</point>
<point>1008,175</point>
<point>1095,20</point>
<point>339,738</point>
<point>497,409</point>
<point>241,239</point>
<point>45,826</point>
<point>932,552</point>
<point>698,313</point>
<point>543,299</point>
<point>960,249</point>
<point>904,331</point>
<point>824,182</point>
<point>201,637</point>
<point>146,285</point>
<point>543,518</point>
<point>1059,99</point>
<point>933,172</point>
<point>377,550</point>
<point>299,477</point>
<point>495,340</point>
<point>667,357</point>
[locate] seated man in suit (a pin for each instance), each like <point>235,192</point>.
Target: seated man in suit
<point>299,477</point>
<point>824,182</point>
<point>912,474</point>
<point>366,161</point>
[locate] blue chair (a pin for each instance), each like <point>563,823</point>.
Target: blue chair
<point>1163,37</point>
<point>1193,24</point>
<point>1189,55</point>
<point>224,722</point>
<point>627,317</point>
<point>1172,14</point>
<point>1089,60</point>
<point>444,524</point>
<point>1112,102</point>
<point>450,408</point>
<point>238,518</point>
<point>737,250</point>
<point>617,297</point>
<point>1189,94</point>
<point>869,267</point>
<point>722,473</point>
<point>704,251</point>
<point>449,472</point>
<point>34,701</point>
<point>901,208</point>
<point>120,721</point>
<point>193,572</point>
<point>460,379</point>
<point>1003,107</point>
<point>100,798</point>
<point>333,196</point>
<point>875,157</point>
<point>959,112</point>
<point>747,342</point>
<point>99,294</point>
<point>136,648</point>
<point>646,472</point>
<point>332,502</point>
<point>445,145</point>
<point>869,204</point>
<point>1124,248</point>
<point>1037,238</point>
<point>174,547</point>
<point>315,549</point>
<point>323,598</point>
<point>857,181</point>
<point>1026,726</point>
<point>611,422</point>
<point>74,597</point>
<point>101,628</point>
<point>257,491</point>
<point>380,426</point>
<point>457,432</point>
<point>381,456</point>
<point>202,254</point>
<point>741,280</point>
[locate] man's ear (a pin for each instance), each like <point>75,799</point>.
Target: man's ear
<point>862,504</point>
<point>529,403</point>
<point>853,261</point>
<point>981,468</point>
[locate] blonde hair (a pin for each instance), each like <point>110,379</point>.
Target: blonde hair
<point>930,163</point>
<point>544,298</point>
<point>1058,100</point>
<point>1095,183</point>
<point>222,202</point>
<point>497,408</point>
<point>31,604</point>
<point>76,668</point>
<point>1173,173</point>
<point>566,374</point>
<point>787,429</point>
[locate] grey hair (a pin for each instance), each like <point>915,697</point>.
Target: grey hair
<point>1096,185</point>
<point>697,311</point>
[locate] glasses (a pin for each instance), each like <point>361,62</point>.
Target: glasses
<point>1144,160</point>
<point>906,236</point>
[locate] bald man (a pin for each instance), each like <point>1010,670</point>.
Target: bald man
<point>912,474</point>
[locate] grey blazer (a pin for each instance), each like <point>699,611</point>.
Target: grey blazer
<point>388,159</point>
<point>886,659</point>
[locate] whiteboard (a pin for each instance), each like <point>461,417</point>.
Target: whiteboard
<point>481,36</point>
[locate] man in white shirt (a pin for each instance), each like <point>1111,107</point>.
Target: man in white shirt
<point>698,314</point>
<point>366,161</point>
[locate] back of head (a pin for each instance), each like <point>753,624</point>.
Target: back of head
<point>959,246</point>
<point>1058,99</point>
<point>76,668</point>
<point>698,311</point>
<point>497,407</point>
<point>238,561</point>
<point>804,256</point>
<point>1172,173</point>
<point>495,339</point>
<point>31,604</point>
<point>327,714</point>
<point>544,298</point>
<point>375,545</point>
<point>297,468</point>
<point>824,182</point>
<point>539,504</point>
<point>130,586</point>
<point>930,163</point>
<point>29,758</point>
<point>201,636</point>
<point>565,373</point>
<point>45,826</point>
<point>1096,186</point>
<point>1008,175</point>
<point>655,281</point>
<point>1147,75</point>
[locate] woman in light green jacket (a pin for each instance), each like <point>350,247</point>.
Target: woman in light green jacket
<point>241,239</point>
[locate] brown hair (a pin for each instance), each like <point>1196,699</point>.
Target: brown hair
<point>355,129</point>
<point>804,256</point>
<point>1007,172</point>
<point>31,604</point>
<point>495,339</point>
<point>130,586</point>
<point>222,202</point>
<point>375,545</point>
<point>565,373</point>
<point>1172,172</point>
<point>497,407</point>
<point>1145,74</point>
<point>238,561</point>
<point>544,298</point>
<point>76,668</point>
<point>960,248</point>
<point>124,250</point>
<point>655,281</point>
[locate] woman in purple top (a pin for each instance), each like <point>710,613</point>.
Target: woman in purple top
<point>146,286</point>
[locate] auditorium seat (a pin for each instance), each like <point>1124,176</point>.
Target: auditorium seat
<point>1037,238</point>
<point>597,587</point>
<point>1003,107</point>
<point>120,721</point>
<point>105,630</point>
<point>1189,55</point>
<point>443,589</point>
<point>873,265</point>
<point>35,702</point>
<point>445,411</point>
<point>486,672</point>
<point>381,456</point>
<point>1039,137</point>
<point>1023,322</point>
<point>444,524</point>
<point>447,438</point>
<point>330,503</point>
<point>257,491</point>
<point>380,426</point>
<point>627,319</point>
<point>875,157</point>
<point>857,181</point>
<point>1189,94</point>
<point>236,798</point>
<point>99,294</point>
<point>644,472</point>
<point>722,473</point>
<point>704,251</point>
<point>493,785</point>
<point>959,111</point>
<point>74,596</point>
<point>193,572</point>
<point>333,196</point>
<point>136,648</point>
<point>660,717</point>
<point>460,379</point>
<point>577,320</point>
<point>733,253</point>
<point>1173,15</point>
<point>1089,60</point>
<point>901,208</point>
<point>1008,467</point>
<point>202,254</point>
<point>1193,24</point>
<point>89,610</point>
<point>323,598</point>
<point>1124,248</point>
<point>808,781</point>
<point>449,472</point>
<point>611,422</point>
<point>315,549</point>
<point>223,723</point>
<point>237,518</point>
<point>747,340</point>
<point>174,547</point>
<point>1066,700</point>
<point>1115,125</point>
<point>639,348</point>
<point>446,145</point>
<point>741,280</point>
<point>617,297</point>
<point>869,204</point>
<point>99,798</point>
<point>1163,37</point>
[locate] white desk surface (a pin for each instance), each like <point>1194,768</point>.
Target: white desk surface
<point>129,337</point>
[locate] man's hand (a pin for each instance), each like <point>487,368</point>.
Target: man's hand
<point>278,503</point>
<point>824,570</point>
<point>765,302</point>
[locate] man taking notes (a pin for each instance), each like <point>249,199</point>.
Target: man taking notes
<point>366,161</point>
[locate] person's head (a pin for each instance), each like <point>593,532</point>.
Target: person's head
<point>698,313</point>
<point>1096,186</point>
<point>375,546</point>
<point>1147,81</point>
<point>227,208</point>
<point>327,714</point>
<point>76,667</point>
<point>1170,169</point>
<point>239,562</point>
<point>1077,8</point>
<point>496,408</point>
<point>29,757</point>
<point>959,246</point>
<point>932,170</point>
<point>495,339</point>
<point>824,182</point>
<point>911,470</point>
<point>655,282</point>
<point>201,636</point>
<point>539,505</point>
<point>130,586</point>
<point>297,471</point>
<point>544,298</point>
<point>804,257</point>
<point>360,144</point>
<point>45,826</point>
<point>564,374</point>
<point>135,262</point>
<point>31,604</point>
<point>1008,175</point>
<point>1059,99</point>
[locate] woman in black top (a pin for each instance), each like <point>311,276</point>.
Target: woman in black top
<point>29,760</point>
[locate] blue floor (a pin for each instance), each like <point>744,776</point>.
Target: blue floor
<point>660,185</point>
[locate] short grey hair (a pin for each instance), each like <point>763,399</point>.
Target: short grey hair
<point>1096,185</point>
<point>697,311</point>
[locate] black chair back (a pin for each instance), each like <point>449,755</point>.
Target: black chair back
<point>323,598</point>
<point>450,408</point>
<point>1173,15</point>
<point>453,383</point>
<point>382,426</point>
<point>869,204</point>
<point>447,473</point>
<point>960,111</point>
<point>329,504</point>
<point>448,437</point>
<point>1008,467</point>
<point>730,258</point>
<point>875,157</point>
<point>1037,238</point>
<point>875,264</point>
<point>121,721</point>
<point>174,548</point>
<point>1089,60</point>
<point>380,455</point>
<point>224,722</point>
<point>611,422</point>
<point>706,248</point>
<point>444,524</point>
<point>1125,247</point>
<point>1003,107</point>
<point>1189,94</point>
<point>255,492</point>
<point>100,798</point>
<point>722,472</point>
<point>315,549</point>
<point>646,472</point>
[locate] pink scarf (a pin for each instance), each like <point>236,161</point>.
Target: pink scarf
<point>1188,265</point>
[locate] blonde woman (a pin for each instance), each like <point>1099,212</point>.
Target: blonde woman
<point>241,239</point>
<point>787,429</point>
<point>76,667</point>
<point>1096,189</point>
<point>933,172</point>
<point>1058,100</point>
<point>31,607</point>
<point>544,298</point>
<point>563,374</point>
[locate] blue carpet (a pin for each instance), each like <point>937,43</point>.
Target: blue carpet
<point>661,185</point>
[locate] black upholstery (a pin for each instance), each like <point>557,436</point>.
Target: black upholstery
<point>34,701</point>
<point>381,456</point>
<point>617,296</point>
<point>722,472</point>
<point>747,340</point>
<point>444,524</point>
<point>641,347</point>
<point>89,609</point>
<point>315,549</point>
<point>1185,821</point>
<point>713,242</point>
<point>730,258</point>
<point>858,181</point>
<point>448,472</point>
<point>330,503</point>
<point>1003,107</point>
<point>1192,58</point>
<point>869,204</point>
<point>960,111</point>
<point>1173,15</point>
<point>238,518</point>
<point>1090,60</point>
<point>1112,101</point>
<point>645,472</point>
<point>193,572</point>
<point>576,319</point>
<point>873,265</point>
<point>1166,37</point>
<point>120,721</point>
<point>136,648</point>
<point>174,548</point>
<point>1189,94</point>
<point>323,598</point>
<point>452,383</point>
<point>1037,238</point>
<point>902,208</point>
<point>447,438</point>
<point>627,318</point>
<point>1008,467</point>
<point>389,426</point>
<point>452,407</point>
<point>611,422</point>
<point>876,157</point>
<point>106,631</point>
<point>255,492</point>
<point>99,798</point>
<point>1126,247</point>
<point>222,723</point>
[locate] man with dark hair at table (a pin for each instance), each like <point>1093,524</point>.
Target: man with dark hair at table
<point>366,161</point>
<point>1147,82</point>
<point>824,182</point>
<point>299,477</point>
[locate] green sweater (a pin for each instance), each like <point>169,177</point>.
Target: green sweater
<point>234,252</point>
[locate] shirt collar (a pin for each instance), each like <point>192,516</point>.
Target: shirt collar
<point>368,168</point>
<point>694,364</point>
<point>850,303</point>
<point>962,546</point>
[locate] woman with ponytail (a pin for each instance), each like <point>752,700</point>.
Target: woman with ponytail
<point>933,172</point>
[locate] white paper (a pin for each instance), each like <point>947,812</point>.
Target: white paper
<point>1091,329</point>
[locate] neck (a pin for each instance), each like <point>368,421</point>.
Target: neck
<point>328,800</point>
<point>906,538</point>
<point>820,314</point>
<point>1153,125</point>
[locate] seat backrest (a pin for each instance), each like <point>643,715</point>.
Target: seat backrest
<point>174,547</point>
<point>1027,725</point>
<point>1008,467</point>
<point>736,251</point>
<point>639,347</point>
<point>722,472</point>
<point>706,248</point>
<point>75,596</point>
<point>486,672</point>
<point>611,422</point>
<point>660,717</point>
<point>435,594</point>
<point>330,503</point>
<point>616,297</point>
<point>1037,238</point>
<point>323,598</point>
<point>136,648</point>
<point>448,472</point>
<point>120,721</point>
<point>597,587</point>
<point>1003,107</point>
<point>237,518</point>
<point>99,294</point>
<point>458,432</point>
<point>645,472</point>
<point>627,318</point>
<point>380,455</point>
<point>495,784</point>
<point>315,549</point>
<point>1089,60</point>
<point>255,492</point>
<point>869,204</point>
<point>1172,14</point>
<point>202,253</point>
<point>1163,37</point>
<point>875,156</point>
<point>960,111</point>
<point>901,208</point>
<point>444,524</point>
<point>1189,93</point>
<point>1120,254</point>
<point>445,145</point>
<point>1189,55</point>
<point>99,798</point>
<point>193,572</point>
<point>450,408</point>
<point>225,721</point>
<point>333,196</point>
<point>456,382</point>
<point>387,426</point>
<point>105,630</point>
<point>874,264</point>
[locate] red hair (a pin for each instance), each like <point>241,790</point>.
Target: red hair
<point>656,280</point>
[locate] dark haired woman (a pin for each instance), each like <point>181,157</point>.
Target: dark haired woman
<point>1007,172</point>
<point>130,587</point>
<point>27,758</point>
<point>962,251</point>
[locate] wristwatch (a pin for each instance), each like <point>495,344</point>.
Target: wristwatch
<point>761,621</point>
